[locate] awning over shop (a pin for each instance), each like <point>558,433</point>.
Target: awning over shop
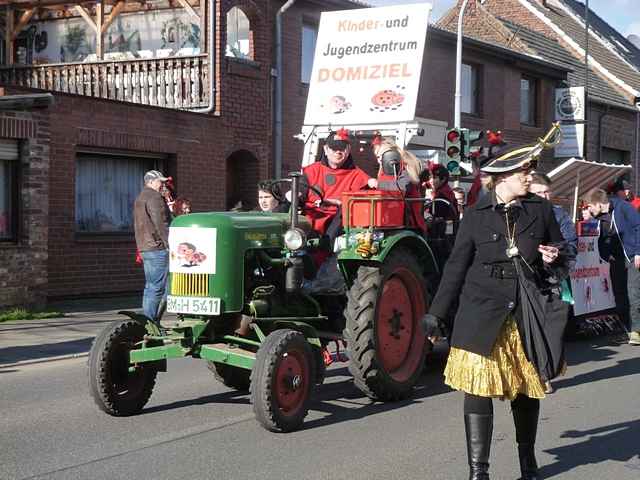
<point>575,177</point>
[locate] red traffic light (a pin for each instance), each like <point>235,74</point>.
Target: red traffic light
<point>453,136</point>
<point>453,151</point>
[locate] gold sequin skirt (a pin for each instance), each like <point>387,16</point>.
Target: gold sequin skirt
<point>503,374</point>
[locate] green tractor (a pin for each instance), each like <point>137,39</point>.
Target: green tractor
<point>237,283</point>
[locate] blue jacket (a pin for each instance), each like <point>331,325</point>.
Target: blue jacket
<point>626,222</point>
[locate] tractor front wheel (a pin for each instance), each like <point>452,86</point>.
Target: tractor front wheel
<point>232,377</point>
<point>282,381</point>
<point>118,388</point>
<point>383,332</point>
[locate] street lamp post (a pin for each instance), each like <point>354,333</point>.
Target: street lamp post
<point>458,94</point>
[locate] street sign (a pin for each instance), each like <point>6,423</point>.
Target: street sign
<point>367,65</point>
<point>569,105</point>
<point>572,142</point>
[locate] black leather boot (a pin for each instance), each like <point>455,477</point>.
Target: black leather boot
<point>525,419</point>
<point>479,429</point>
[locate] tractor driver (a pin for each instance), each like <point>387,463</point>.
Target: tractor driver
<point>333,175</point>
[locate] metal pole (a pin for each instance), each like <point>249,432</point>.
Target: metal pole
<point>576,191</point>
<point>211,71</point>
<point>278,100</point>
<point>586,81</point>
<point>458,95</point>
<point>295,188</point>
<point>636,165</point>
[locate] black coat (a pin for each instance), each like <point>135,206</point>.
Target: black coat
<point>482,276</point>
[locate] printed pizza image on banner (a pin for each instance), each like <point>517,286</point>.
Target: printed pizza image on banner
<point>192,250</point>
<point>367,65</point>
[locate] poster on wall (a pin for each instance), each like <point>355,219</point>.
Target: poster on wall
<point>192,250</point>
<point>367,65</point>
<point>590,279</point>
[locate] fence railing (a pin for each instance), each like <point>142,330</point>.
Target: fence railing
<point>174,82</point>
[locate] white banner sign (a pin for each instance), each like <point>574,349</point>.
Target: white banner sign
<point>572,142</point>
<point>192,250</point>
<point>367,65</point>
<point>590,279</point>
<point>570,103</point>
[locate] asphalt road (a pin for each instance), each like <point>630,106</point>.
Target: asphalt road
<point>194,428</point>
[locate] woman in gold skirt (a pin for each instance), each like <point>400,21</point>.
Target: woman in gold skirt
<point>487,358</point>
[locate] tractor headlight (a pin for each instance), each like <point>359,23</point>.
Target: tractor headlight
<point>294,239</point>
<point>340,244</point>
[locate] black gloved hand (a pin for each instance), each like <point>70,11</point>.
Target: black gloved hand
<point>431,325</point>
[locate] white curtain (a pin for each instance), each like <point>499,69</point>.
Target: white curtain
<point>106,188</point>
<point>5,199</point>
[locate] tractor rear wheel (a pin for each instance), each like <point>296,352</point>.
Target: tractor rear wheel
<point>383,332</point>
<point>282,380</point>
<point>115,388</point>
<point>232,377</point>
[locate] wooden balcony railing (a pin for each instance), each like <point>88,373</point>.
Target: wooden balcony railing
<point>175,82</point>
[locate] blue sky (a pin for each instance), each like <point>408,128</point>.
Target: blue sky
<point>623,15</point>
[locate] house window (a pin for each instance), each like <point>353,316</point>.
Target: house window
<point>106,188</point>
<point>239,44</point>
<point>309,37</point>
<point>528,100</point>
<point>470,89</point>
<point>8,189</point>
<point>3,52</point>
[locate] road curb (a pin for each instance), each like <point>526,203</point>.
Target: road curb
<point>34,361</point>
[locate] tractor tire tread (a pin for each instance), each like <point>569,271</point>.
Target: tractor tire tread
<point>98,367</point>
<point>359,332</point>
<point>262,379</point>
<point>230,376</point>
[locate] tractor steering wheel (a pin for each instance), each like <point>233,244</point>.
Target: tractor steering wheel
<point>281,197</point>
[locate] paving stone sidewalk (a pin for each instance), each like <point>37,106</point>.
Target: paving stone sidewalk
<point>31,341</point>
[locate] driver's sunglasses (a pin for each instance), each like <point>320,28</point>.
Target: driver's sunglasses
<point>337,148</point>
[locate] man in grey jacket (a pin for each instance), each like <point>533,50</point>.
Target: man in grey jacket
<point>151,223</point>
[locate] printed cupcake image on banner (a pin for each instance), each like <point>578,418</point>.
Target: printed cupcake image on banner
<point>192,250</point>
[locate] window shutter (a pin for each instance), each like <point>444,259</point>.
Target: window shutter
<point>8,149</point>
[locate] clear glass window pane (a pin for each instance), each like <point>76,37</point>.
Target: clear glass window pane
<point>469,89</point>
<point>106,188</point>
<point>309,37</point>
<point>527,101</point>
<point>7,214</point>
<point>238,34</point>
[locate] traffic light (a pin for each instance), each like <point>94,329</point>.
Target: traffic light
<point>470,137</point>
<point>453,150</point>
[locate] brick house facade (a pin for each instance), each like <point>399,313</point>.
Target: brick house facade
<point>217,159</point>
<point>554,30</point>
<point>23,258</point>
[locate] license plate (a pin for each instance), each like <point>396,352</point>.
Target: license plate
<point>199,305</point>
